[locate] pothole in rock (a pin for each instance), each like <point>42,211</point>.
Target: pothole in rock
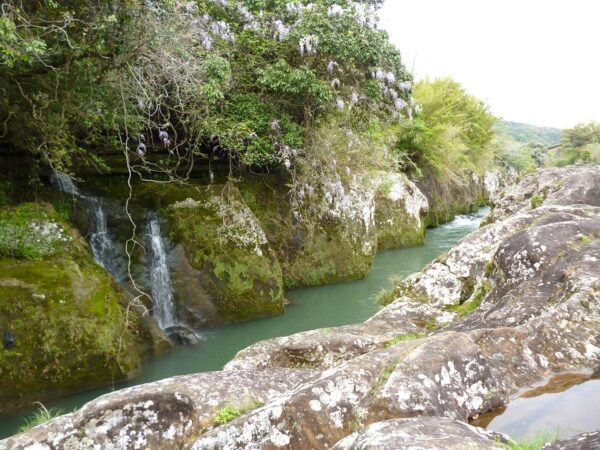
<point>569,404</point>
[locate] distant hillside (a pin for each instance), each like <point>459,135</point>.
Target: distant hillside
<point>525,133</point>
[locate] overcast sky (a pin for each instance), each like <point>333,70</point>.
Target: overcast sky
<point>533,61</point>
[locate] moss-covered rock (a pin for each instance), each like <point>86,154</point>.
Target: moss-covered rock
<point>226,244</point>
<point>339,245</point>
<point>63,311</point>
<point>400,209</point>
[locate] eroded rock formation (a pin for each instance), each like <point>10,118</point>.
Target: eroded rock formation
<point>513,303</point>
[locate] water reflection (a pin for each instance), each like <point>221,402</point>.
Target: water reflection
<point>569,404</point>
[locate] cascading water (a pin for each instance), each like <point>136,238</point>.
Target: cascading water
<point>109,254</point>
<point>160,278</point>
<point>104,248</point>
<point>64,183</point>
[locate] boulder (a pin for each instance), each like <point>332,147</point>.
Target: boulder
<point>328,238</point>
<point>225,243</point>
<point>400,210</point>
<point>163,415</point>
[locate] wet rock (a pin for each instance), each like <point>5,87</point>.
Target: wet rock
<point>162,415</point>
<point>421,433</point>
<point>182,335</point>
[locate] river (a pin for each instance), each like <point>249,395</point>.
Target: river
<point>310,308</point>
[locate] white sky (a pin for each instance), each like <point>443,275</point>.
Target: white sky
<point>532,61</point>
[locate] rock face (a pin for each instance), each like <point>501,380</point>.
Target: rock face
<point>513,303</point>
<point>226,244</point>
<point>586,441</point>
<point>400,211</point>
<point>327,239</point>
<point>64,313</point>
<point>448,198</point>
<point>334,236</point>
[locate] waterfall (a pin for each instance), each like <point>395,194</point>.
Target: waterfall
<point>64,183</point>
<point>104,248</point>
<point>109,254</point>
<point>162,291</point>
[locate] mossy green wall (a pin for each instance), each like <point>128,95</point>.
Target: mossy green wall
<point>65,312</point>
<point>225,243</point>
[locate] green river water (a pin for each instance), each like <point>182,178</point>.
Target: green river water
<point>310,308</point>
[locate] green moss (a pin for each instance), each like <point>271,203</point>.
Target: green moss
<point>473,302</point>
<point>313,252</point>
<point>585,240</point>
<point>537,200</point>
<point>403,338</point>
<point>66,315</point>
<point>489,267</point>
<point>239,270</point>
<point>231,412</point>
<point>396,228</point>
<point>33,231</point>
<point>385,375</point>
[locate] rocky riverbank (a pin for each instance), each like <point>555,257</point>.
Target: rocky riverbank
<point>511,304</point>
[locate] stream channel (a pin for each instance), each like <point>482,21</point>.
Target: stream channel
<point>310,308</point>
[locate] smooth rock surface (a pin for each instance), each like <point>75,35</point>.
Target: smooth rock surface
<point>421,433</point>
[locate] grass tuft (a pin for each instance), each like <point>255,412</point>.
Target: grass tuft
<point>535,442</point>
<point>41,416</point>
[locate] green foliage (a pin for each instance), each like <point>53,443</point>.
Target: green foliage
<point>528,134</point>
<point>385,297</point>
<point>473,302</point>
<point>534,443</point>
<point>453,132</point>
<point>580,144</point>
<point>537,200</point>
<point>224,81</point>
